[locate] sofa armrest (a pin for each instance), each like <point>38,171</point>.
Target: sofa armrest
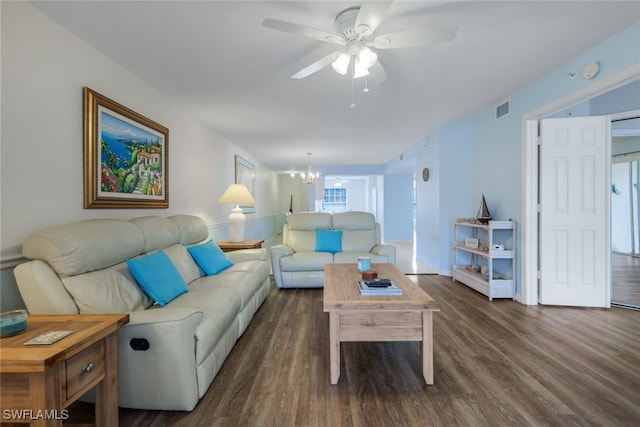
<point>386,250</point>
<point>161,375</point>
<point>277,252</point>
<point>258,254</point>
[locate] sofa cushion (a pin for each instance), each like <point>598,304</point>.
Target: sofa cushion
<point>353,221</point>
<point>158,232</point>
<point>192,228</point>
<point>241,283</point>
<point>358,240</point>
<point>258,268</point>
<point>352,257</point>
<point>159,278</point>
<point>310,221</point>
<point>210,258</point>
<point>301,240</point>
<point>219,305</point>
<point>112,290</point>
<point>184,263</point>
<point>328,241</point>
<point>306,261</point>
<point>85,246</point>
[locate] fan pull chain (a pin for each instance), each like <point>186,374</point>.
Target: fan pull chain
<point>353,102</point>
<point>353,66</point>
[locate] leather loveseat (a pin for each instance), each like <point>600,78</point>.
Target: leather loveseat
<point>299,261</point>
<point>83,267</point>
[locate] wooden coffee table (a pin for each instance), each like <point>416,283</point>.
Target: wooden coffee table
<point>353,317</point>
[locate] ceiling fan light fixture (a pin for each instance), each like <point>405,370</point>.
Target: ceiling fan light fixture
<point>367,57</point>
<point>341,64</point>
<point>359,70</point>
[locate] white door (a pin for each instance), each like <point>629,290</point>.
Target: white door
<point>575,211</point>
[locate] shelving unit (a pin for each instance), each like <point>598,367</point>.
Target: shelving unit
<point>488,270</point>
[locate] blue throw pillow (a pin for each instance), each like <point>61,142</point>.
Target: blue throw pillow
<point>329,241</point>
<point>210,258</point>
<point>158,277</point>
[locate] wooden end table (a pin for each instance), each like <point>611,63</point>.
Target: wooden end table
<point>40,381</point>
<point>354,317</point>
<point>229,246</point>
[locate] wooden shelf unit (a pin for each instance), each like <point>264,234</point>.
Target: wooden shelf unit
<point>499,263</point>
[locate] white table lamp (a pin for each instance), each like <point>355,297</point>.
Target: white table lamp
<point>237,194</point>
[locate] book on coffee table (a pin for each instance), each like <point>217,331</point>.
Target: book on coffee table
<point>379,287</point>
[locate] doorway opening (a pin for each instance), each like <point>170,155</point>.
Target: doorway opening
<point>529,249</point>
<point>625,206</point>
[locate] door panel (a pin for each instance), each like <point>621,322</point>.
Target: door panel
<point>575,211</point>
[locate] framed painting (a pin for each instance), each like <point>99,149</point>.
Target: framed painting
<point>126,156</point>
<point>246,174</point>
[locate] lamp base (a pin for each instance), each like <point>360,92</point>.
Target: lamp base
<point>237,222</point>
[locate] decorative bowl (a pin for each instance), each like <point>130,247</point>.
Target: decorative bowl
<point>13,322</point>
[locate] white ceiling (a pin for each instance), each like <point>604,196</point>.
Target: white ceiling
<point>218,61</point>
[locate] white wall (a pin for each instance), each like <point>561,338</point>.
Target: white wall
<point>44,68</point>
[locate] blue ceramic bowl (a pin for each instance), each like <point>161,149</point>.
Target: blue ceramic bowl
<point>13,322</point>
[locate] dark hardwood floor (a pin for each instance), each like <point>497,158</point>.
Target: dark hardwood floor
<point>496,363</point>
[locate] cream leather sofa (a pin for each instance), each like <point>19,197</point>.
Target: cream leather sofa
<point>297,264</point>
<point>81,268</point>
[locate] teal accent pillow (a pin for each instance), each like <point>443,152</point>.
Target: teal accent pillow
<point>158,277</point>
<point>210,258</point>
<point>328,241</point>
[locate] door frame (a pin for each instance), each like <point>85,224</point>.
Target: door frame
<point>529,236</point>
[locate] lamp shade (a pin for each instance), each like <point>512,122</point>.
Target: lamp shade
<point>359,70</point>
<point>237,194</point>
<point>367,57</point>
<point>341,64</point>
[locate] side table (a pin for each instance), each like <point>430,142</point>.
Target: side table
<point>40,381</point>
<point>229,246</point>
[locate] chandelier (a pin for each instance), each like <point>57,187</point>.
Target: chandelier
<point>309,177</point>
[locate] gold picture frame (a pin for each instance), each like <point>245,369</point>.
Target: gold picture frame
<point>126,156</point>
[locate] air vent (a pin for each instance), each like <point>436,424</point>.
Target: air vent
<point>502,110</point>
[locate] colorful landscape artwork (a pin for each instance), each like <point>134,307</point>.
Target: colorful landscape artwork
<point>131,158</point>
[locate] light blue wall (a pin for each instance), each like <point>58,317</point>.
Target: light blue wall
<point>448,154</point>
<point>495,166</point>
<point>427,154</point>
<point>398,207</point>
<point>626,98</point>
<point>497,142</point>
<point>497,160</point>
<point>456,184</point>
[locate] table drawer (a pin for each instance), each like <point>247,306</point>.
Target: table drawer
<point>85,367</point>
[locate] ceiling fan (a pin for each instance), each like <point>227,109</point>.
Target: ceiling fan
<point>355,29</point>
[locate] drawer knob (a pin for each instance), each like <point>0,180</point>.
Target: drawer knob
<point>88,368</point>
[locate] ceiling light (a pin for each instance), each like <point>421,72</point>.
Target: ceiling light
<point>367,57</point>
<point>359,70</point>
<point>341,64</point>
<point>309,177</point>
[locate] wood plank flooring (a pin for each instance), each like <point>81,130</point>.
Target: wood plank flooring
<point>496,363</point>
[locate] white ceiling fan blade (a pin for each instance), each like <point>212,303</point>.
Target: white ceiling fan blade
<point>413,38</point>
<point>370,16</point>
<point>316,66</point>
<point>301,30</point>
